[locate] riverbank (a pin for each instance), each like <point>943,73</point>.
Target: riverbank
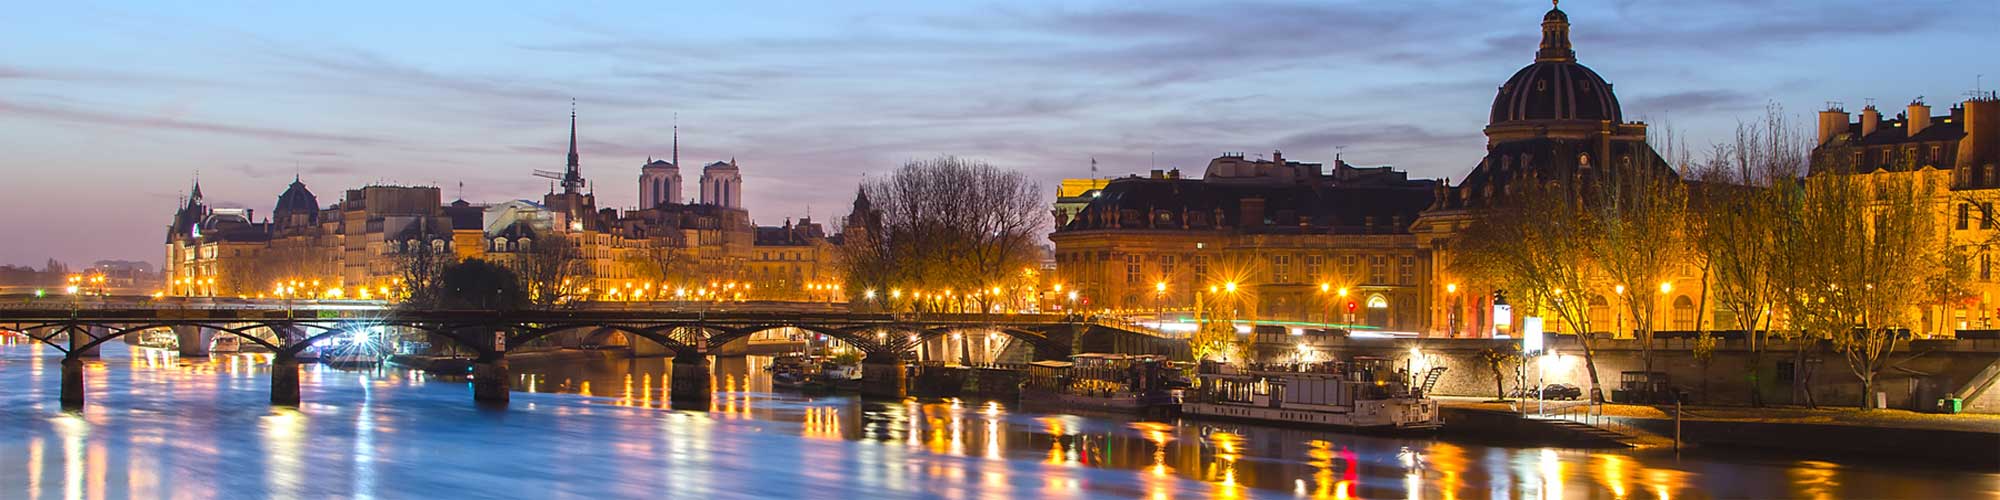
<point>1973,438</point>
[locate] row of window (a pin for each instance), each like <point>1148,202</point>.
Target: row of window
<point>1280,268</point>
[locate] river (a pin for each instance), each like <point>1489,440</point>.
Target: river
<point>157,426</point>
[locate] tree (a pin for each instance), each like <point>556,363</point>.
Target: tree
<point>478,284</point>
<point>947,224</point>
<point>421,264</point>
<point>1743,213</point>
<point>1495,359</point>
<point>1536,242</point>
<point>1635,230</point>
<point>551,270</point>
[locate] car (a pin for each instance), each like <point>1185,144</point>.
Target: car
<point>1562,391</point>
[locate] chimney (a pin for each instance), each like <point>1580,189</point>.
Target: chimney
<point>1832,122</point>
<point>1919,116</point>
<point>1278,157</point>
<point>1174,174</point>
<point>1159,174</point>
<point>1869,119</point>
<point>1981,144</point>
<point>1251,212</point>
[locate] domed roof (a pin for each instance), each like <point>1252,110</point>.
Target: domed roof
<point>297,199</point>
<point>1555,90</point>
<point>1555,87</point>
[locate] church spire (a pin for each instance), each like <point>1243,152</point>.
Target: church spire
<point>572,136</point>
<point>677,140</point>
<point>572,179</point>
<point>1555,36</point>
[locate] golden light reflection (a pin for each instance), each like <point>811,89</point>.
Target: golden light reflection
<point>1816,479</point>
<point>1611,471</point>
<point>1446,461</point>
<point>283,431</point>
<point>1552,474</point>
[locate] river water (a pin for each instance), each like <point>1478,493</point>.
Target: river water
<point>157,426</point>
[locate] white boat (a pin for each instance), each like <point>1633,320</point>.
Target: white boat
<point>1359,395</point>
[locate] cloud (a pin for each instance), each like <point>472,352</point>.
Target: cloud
<point>34,112</point>
<point>1689,102</point>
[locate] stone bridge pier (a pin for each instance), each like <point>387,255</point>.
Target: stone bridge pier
<point>193,340</point>
<point>692,382</point>
<point>884,375</point>
<point>285,366</point>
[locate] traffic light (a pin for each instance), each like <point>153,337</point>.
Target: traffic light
<point>1350,306</point>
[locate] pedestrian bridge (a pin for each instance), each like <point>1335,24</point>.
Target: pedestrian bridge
<point>689,335</point>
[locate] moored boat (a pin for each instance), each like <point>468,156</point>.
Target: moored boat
<point>1112,383</point>
<point>1362,395</point>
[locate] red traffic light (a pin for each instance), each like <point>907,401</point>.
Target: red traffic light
<point>1350,307</point>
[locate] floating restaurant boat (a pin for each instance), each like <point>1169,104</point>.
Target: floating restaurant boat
<point>1115,383</point>
<point>1363,394</point>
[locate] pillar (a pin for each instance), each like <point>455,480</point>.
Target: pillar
<point>490,379</point>
<point>884,376</point>
<point>193,340</point>
<point>72,383</point>
<point>692,380</point>
<point>285,380</point>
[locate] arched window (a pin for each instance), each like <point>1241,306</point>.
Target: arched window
<point>1378,302</point>
<point>437,245</point>
<point>1601,317</point>
<point>499,244</point>
<point>1683,313</point>
<point>527,244</point>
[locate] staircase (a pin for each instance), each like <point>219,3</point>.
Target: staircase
<point>1586,434</point>
<point>1431,379</point>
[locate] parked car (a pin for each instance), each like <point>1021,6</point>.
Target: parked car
<point>1562,391</point>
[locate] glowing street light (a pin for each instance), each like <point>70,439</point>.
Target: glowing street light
<point>1666,287</point>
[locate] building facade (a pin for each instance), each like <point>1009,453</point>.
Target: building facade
<point>1277,240</point>
<point>359,246</point>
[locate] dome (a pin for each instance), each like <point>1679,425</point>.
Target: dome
<point>297,198</point>
<point>1555,90</point>
<point>1555,87</point>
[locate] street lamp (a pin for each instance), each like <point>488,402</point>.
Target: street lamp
<point>1451,313</point>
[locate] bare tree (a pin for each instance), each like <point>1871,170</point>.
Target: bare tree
<point>1742,210</point>
<point>948,224</point>
<point>421,264</point>
<point>552,270</point>
<point>1638,213</point>
<point>1535,242</point>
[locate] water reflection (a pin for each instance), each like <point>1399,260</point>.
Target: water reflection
<point>161,426</point>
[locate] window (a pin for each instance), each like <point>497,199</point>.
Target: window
<point>1166,267</point>
<point>1683,313</point>
<point>1281,269</point>
<point>1985,267</point>
<point>1406,273</point>
<point>499,244</point>
<point>1315,267</point>
<point>1964,213</point>
<point>1986,215</point>
<point>1348,267</point>
<point>1200,268</point>
<point>1132,269</point>
<point>1377,269</point>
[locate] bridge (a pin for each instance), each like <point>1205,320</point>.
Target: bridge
<point>887,340</point>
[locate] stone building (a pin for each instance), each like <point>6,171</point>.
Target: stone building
<point>1958,153</point>
<point>1553,119</point>
<point>1288,235</point>
<point>356,248</point>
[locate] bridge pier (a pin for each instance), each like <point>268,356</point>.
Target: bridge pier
<point>285,380</point>
<point>193,340</point>
<point>692,380</point>
<point>72,383</point>
<point>884,376</point>
<point>490,379</point>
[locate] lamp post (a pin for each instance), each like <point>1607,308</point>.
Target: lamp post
<point>1160,299</point>
<point>1620,291</point>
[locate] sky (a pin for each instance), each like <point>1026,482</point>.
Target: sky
<point>108,111</point>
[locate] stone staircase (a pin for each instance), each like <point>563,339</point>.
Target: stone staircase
<point>1581,434</point>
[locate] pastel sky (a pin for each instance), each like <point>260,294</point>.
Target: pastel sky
<point>108,110</point>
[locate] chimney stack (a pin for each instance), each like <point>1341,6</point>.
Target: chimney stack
<point>1832,122</point>
<point>1870,118</point>
<point>1919,116</point>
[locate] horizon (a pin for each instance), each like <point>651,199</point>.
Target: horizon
<point>811,99</point>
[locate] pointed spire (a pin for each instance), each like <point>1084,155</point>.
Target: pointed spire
<point>572,135</point>
<point>1555,36</point>
<point>677,140</point>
